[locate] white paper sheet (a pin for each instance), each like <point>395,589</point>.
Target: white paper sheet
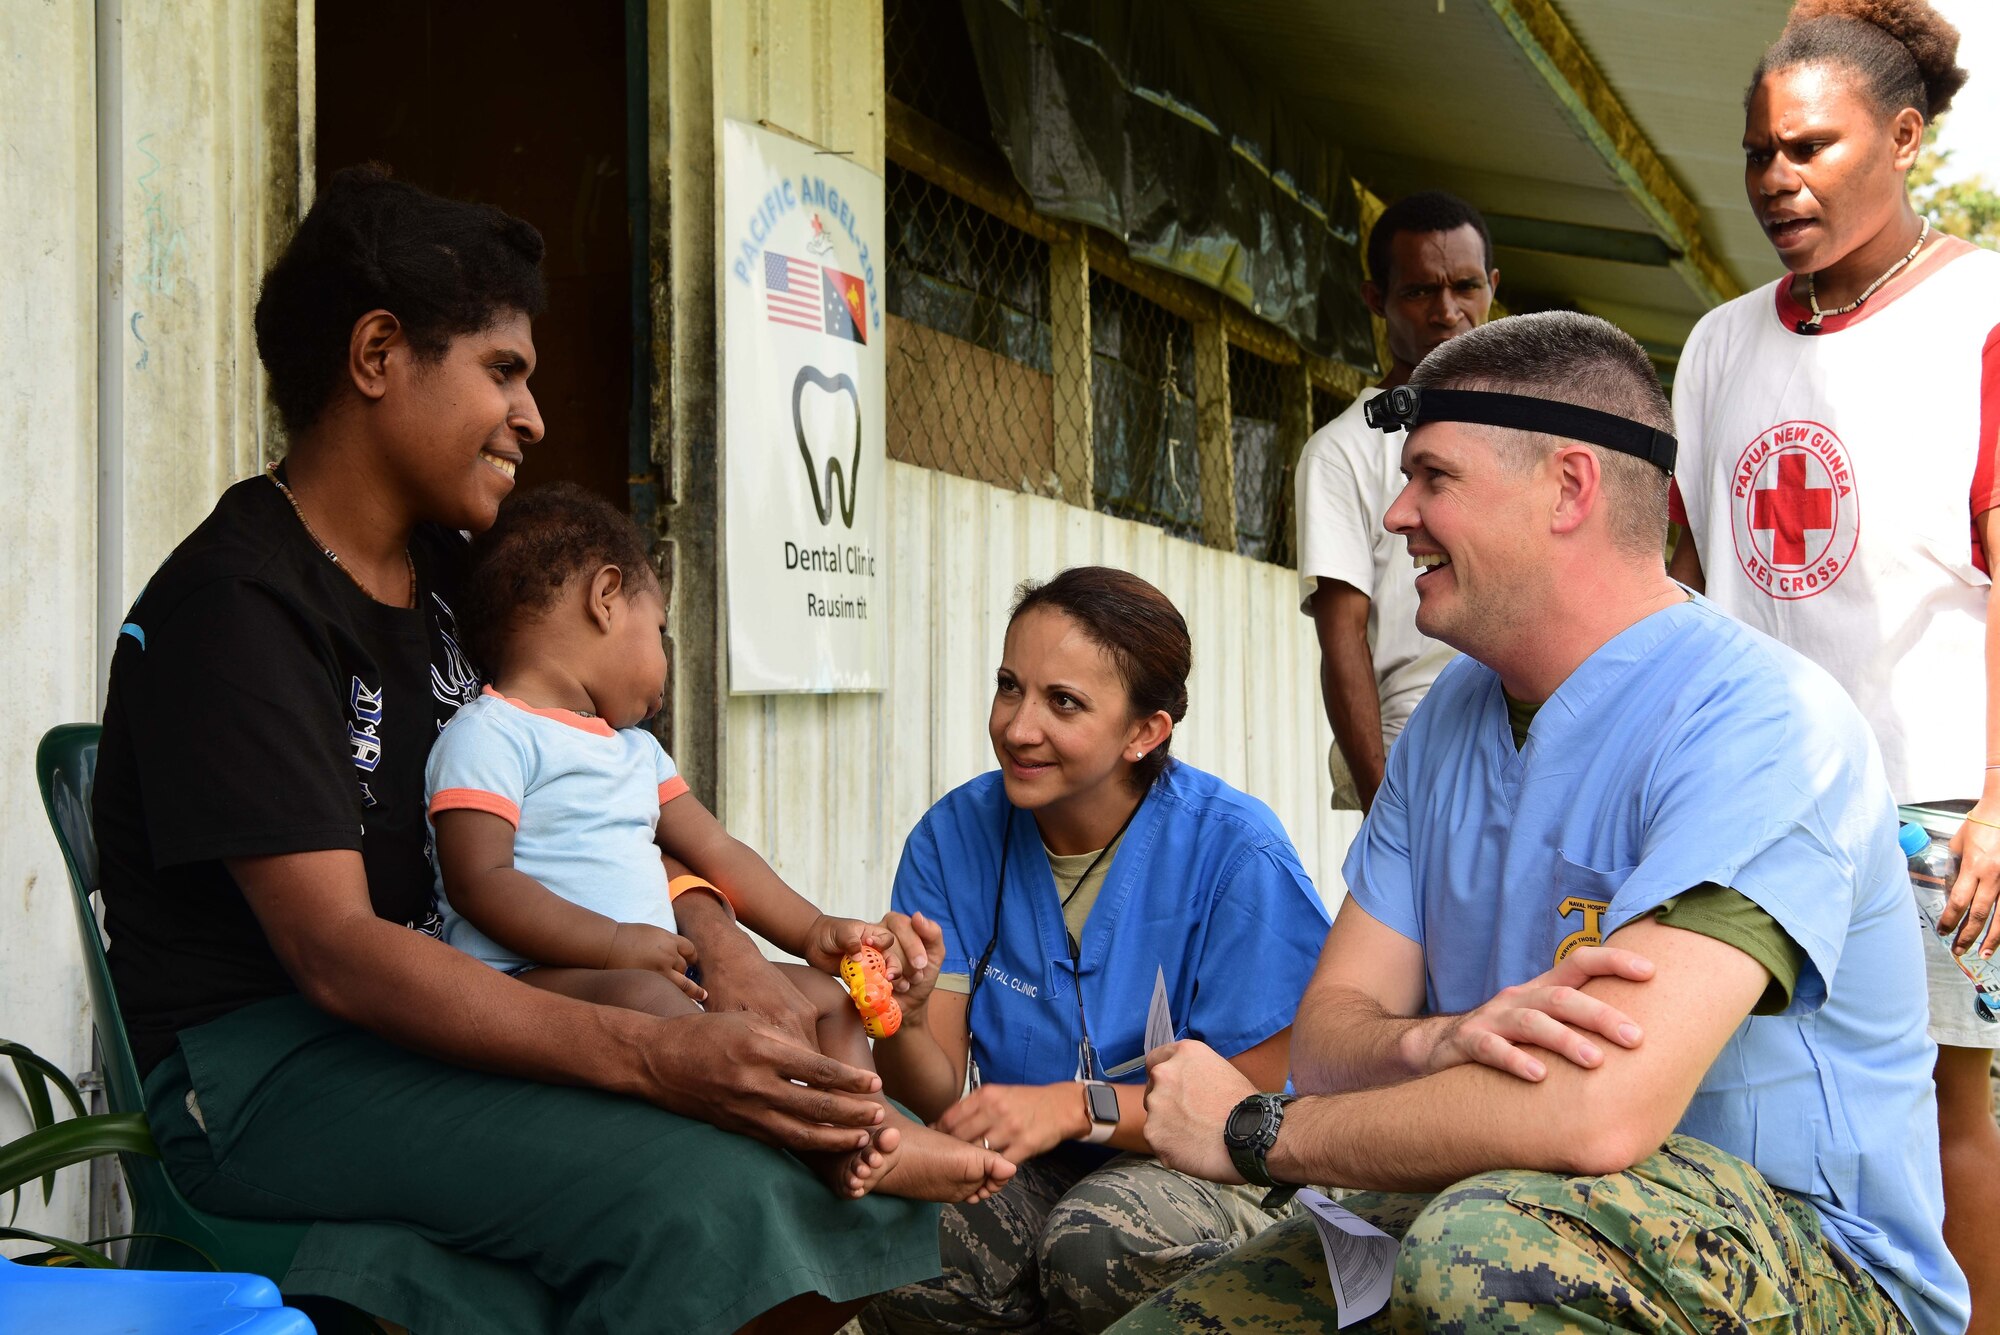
<point>1159,1027</point>
<point>1159,1014</point>
<point>1360,1258</point>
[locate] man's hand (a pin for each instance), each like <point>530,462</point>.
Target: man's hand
<point>737,975</point>
<point>739,1074</point>
<point>754,987</point>
<point>639,945</point>
<point>918,952</point>
<point>830,939</point>
<point>1018,1122</point>
<point>1547,1012</point>
<point>1347,682</point>
<point>1190,1090</point>
<point>1970,905</point>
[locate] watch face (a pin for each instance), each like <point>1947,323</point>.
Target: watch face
<point>1246,1119</point>
<point>1103,1103</point>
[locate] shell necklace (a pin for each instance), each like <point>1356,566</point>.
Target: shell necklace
<point>329,553</point>
<point>1812,326</point>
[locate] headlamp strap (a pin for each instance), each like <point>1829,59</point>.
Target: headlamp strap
<point>1409,406</point>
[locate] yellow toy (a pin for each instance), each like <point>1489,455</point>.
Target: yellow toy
<point>866,974</point>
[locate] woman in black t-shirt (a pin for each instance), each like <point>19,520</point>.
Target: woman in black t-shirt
<point>259,813</point>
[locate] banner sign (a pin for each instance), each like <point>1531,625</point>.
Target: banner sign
<point>803,383</point>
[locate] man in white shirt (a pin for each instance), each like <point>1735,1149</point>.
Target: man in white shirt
<point>1432,278</point>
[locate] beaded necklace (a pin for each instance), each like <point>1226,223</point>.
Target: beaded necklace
<point>329,553</point>
<point>1812,326</point>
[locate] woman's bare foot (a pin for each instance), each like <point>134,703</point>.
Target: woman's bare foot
<point>907,1159</point>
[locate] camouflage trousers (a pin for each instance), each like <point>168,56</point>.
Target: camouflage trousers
<point>1689,1240</point>
<point>1066,1248</point>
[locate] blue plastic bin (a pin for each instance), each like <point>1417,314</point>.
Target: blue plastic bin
<point>38,1300</point>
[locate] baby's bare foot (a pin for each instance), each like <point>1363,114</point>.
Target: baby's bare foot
<point>926,1165</point>
<point>857,1173</point>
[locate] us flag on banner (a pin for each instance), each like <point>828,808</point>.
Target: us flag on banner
<point>792,292</point>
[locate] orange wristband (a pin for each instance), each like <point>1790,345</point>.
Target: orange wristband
<point>680,885</point>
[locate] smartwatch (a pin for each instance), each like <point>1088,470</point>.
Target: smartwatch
<point>1100,1101</point>
<point>1250,1132</point>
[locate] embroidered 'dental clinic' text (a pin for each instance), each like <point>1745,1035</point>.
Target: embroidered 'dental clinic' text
<point>1008,980</point>
<point>1793,510</point>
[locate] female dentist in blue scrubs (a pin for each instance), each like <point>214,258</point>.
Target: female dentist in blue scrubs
<point>1046,898</point>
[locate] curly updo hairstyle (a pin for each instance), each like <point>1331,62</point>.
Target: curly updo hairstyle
<point>1904,51</point>
<point>442,267</point>
<point>1139,627</point>
<point>544,538</point>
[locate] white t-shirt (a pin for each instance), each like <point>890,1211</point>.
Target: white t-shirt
<point>1348,474</point>
<point>1829,481</point>
<point>584,800</point>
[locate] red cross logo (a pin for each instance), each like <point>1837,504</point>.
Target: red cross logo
<point>1789,509</point>
<point>1794,509</point>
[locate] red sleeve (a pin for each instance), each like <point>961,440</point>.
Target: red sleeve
<point>1985,476</point>
<point>1677,509</point>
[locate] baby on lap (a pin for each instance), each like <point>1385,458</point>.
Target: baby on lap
<point>563,831</point>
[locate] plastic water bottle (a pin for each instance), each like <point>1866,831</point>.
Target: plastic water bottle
<point>1933,868</point>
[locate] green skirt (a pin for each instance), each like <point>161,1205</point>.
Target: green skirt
<point>536,1208</point>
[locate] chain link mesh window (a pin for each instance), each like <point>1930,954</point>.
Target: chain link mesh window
<point>970,389</point>
<point>972,380</point>
<point>1143,451</point>
<point>1263,465</point>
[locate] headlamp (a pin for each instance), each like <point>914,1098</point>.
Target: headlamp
<point>1407,407</point>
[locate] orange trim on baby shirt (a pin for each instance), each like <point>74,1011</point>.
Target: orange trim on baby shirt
<point>672,789</point>
<point>476,799</point>
<point>587,722</point>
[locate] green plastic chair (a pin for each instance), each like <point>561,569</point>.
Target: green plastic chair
<point>66,766</point>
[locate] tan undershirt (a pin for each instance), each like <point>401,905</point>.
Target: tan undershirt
<point>1067,869</point>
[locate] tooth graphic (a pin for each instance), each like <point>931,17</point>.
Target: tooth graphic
<point>846,485</point>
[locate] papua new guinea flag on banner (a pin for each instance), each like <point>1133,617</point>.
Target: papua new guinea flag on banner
<point>846,306</point>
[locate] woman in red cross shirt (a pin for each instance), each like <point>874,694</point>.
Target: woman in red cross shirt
<point>1837,482</point>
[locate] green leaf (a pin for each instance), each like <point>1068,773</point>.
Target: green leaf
<point>56,1076</point>
<point>36,1074</point>
<point>89,1256</point>
<point>75,1141</point>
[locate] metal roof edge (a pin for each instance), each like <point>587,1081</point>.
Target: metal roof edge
<point>1586,98</point>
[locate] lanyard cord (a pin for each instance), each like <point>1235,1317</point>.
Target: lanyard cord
<point>1074,890</point>
<point>1086,1054</point>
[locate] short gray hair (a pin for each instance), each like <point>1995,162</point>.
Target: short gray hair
<point>1577,359</point>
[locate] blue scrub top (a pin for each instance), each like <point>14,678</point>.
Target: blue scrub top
<point>1690,748</point>
<point>1205,886</point>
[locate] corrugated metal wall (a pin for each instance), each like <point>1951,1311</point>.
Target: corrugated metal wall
<point>827,787</point>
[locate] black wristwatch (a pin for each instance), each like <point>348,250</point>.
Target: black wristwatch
<point>1250,1132</point>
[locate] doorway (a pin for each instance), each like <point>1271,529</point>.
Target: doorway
<point>526,106</point>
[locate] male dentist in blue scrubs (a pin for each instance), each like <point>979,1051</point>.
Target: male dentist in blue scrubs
<point>1628,979</point>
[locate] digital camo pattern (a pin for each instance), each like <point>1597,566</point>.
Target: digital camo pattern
<point>1690,1240</point>
<point>1059,1249</point>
